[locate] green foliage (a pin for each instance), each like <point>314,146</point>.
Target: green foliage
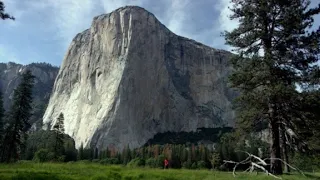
<point>46,140</point>
<point>215,160</point>
<point>232,147</point>
<point>85,171</point>
<point>306,162</point>
<point>34,176</point>
<point>160,160</point>
<point>151,162</point>
<point>201,165</point>
<point>276,51</point>
<point>58,128</point>
<point>18,120</point>
<point>110,161</point>
<point>80,153</point>
<point>2,111</point>
<point>126,155</point>
<point>194,165</point>
<point>210,134</point>
<point>43,155</point>
<point>95,160</point>
<point>187,164</point>
<point>137,162</point>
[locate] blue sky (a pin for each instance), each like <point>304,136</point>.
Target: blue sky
<point>43,29</point>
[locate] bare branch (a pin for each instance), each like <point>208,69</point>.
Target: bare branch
<point>257,163</point>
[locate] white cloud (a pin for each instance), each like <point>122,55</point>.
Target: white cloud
<point>225,23</point>
<point>177,14</point>
<point>71,17</point>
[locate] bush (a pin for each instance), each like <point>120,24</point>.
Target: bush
<point>43,155</point>
<point>61,158</point>
<point>24,162</point>
<point>151,162</point>
<point>95,160</point>
<point>215,160</point>
<point>34,176</point>
<point>305,162</point>
<point>187,165</point>
<point>110,161</point>
<point>84,161</point>
<point>201,165</point>
<point>160,161</point>
<point>137,162</point>
<point>194,165</point>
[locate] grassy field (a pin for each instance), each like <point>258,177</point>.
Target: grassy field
<point>91,171</point>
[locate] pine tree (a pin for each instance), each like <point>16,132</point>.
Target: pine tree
<point>4,15</point>
<point>276,51</point>
<point>59,135</point>
<point>96,153</point>
<point>18,119</point>
<point>2,111</point>
<point>80,153</point>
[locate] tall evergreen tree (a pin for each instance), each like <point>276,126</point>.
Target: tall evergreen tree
<point>59,137</point>
<point>18,119</point>
<point>4,15</point>
<point>276,51</point>
<point>2,111</point>
<point>80,152</point>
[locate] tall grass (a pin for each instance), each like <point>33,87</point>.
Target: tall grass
<point>92,171</point>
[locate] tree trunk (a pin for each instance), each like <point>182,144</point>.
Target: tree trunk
<point>284,149</point>
<point>275,151</point>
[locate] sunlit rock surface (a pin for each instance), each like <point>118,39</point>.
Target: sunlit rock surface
<point>128,77</point>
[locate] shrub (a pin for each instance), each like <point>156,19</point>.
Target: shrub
<point>24,162</point>
<point>187,165</point>
<point>110,161</point>
<point>215,160</point>
<point>43,155</point>
<point>95,160</point>
<point>84,161</point>
<point>201,165</point>
<point>61,158</point>
<point>34,175</point>
<point>137,162</point>
<point>151,162</point>
<point>160,161</point>
<point>305,162</point>
<point>194,165</point>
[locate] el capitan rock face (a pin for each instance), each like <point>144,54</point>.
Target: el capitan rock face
<point>128,78</point>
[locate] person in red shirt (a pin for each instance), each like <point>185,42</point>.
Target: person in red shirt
<point>166,163</point>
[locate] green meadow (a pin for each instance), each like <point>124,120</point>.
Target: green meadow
<point>92,171</point>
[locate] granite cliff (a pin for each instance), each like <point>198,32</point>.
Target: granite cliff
<point>44,73</point>
<point>128,77</point>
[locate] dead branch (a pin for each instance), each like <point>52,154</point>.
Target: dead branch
<point>256,163</point>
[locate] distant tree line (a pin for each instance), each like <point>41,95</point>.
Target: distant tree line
<point>179,155</point>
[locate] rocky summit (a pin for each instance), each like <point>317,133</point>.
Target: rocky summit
<point>128,78</point>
